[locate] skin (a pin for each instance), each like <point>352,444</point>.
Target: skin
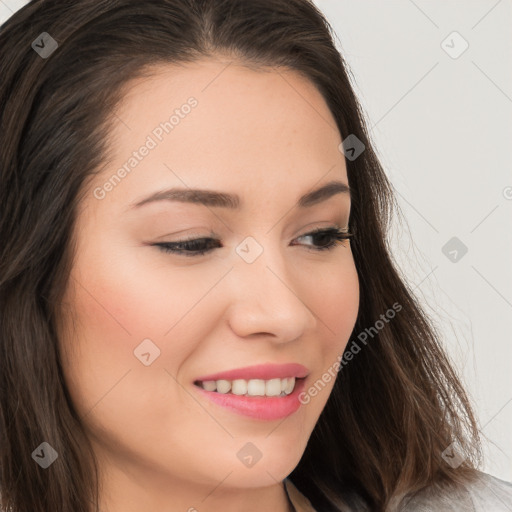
<point>268,136</point>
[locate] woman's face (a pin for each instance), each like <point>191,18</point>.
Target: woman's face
<point>149,323</point>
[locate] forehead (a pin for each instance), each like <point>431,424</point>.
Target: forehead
<point>219,124</point>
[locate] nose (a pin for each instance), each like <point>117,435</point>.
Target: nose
<point>265,299</point>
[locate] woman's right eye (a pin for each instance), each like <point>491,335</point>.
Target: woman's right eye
<point>194,247</point>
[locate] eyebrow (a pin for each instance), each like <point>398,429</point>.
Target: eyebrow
<point>214,198</point>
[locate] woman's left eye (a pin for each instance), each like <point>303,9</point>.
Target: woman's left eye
<point>199,246</point>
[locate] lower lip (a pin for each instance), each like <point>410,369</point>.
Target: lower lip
<point>259,407</point>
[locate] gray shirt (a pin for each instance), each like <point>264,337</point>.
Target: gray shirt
<point>487,494</point>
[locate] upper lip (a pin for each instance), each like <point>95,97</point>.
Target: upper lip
<point>260,371</point>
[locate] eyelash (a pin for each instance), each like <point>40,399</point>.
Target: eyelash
<point>186,247</point>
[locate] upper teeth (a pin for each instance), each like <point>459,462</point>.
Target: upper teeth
<point>252,387</point>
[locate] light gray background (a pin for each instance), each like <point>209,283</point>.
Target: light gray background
<point>442,127</point>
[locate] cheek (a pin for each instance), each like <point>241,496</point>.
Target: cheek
<point>337,307</point>
<point>119,301</point>
<point>115,311</point>
<point>340,304</point>
<point>124,299</point>
<point>340,307</point>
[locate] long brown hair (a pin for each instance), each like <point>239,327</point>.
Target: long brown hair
<point>394,408</point>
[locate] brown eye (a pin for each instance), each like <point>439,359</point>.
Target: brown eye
<point>329,238</point>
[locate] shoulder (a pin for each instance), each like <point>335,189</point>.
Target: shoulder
<point>484,494</point>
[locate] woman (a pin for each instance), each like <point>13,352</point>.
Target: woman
<point>199,308</point>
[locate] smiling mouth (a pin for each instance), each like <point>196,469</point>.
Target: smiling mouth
<point>252,387</point>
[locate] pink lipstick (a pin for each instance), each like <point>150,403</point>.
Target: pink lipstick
<point>265,392</point>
